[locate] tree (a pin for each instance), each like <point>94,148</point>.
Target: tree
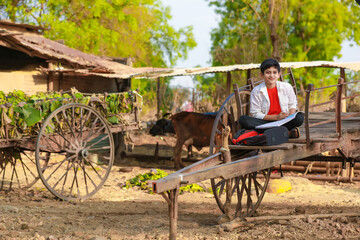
<point>138,29</point>
<point>288,30</point>
<point>118,28</point>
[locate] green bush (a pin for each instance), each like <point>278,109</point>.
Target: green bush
<point>141,181</point>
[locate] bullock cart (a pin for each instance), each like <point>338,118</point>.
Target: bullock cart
<point>239,175</point>
<point>65,140</point>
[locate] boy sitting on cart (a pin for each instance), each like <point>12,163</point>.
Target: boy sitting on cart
<point>272,100</point>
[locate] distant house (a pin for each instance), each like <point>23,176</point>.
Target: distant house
<point>32,63</point>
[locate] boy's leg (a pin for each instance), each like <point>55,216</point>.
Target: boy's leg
<point>296,122</point>
<point>250,123</point>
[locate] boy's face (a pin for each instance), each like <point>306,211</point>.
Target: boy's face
<point>271,75</point>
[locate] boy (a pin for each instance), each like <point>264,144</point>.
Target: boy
<point>272,100</point>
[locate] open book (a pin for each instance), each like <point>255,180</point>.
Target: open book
<point>277,123</point>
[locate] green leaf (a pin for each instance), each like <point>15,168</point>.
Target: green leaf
<point>31,116</point>
<point>113,120</point>
<point>78,95</point>
<point>55,105</point>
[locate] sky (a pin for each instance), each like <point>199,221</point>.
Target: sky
<point>198,14</point>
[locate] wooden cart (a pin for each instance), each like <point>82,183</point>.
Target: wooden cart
<point>240,174</point>
<point>72,153</point>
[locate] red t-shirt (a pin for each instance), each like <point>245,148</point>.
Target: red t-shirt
<point>274,102</point>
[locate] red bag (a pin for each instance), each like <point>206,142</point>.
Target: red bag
<point>271,136</point>
<point>243,134</point>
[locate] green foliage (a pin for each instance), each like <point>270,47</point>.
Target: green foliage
<point>138,29</point>
<point>192,188</point>
<point>251,31</point>
<point>307,30</point>
<point>22,115</point>
<point>141,181</point>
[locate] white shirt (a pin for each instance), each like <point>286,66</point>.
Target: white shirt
<point>260,102</point>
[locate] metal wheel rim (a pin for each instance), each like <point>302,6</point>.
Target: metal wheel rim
<point>232,113</point>
<point>72,173</point>
<point>230,101</point>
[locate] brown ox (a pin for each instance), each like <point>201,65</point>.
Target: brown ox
<point>191,129</point>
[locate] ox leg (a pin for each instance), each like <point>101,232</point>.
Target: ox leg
<point>177,155</point>
<point>172,200</point>
<point>190,152</point>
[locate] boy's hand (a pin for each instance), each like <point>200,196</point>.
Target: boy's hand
<point>282,115</point>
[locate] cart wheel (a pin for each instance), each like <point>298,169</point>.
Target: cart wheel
<point>82,148</point>
<point>17,170</point>
<point>250,190</point>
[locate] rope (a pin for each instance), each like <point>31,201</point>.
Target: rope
<point>309,168</point>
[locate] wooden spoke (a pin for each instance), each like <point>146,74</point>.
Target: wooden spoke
<point>95,169</point>
<point>53,168</point>
<point>63,177</point>
<point>17,170</point>
<point>249,190</point>
<point>68,123</point>
<point>81,166</point>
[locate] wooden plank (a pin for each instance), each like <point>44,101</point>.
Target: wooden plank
<point>313,140</point>
<point>122,127</point>
<point>7,144</point>
<point>243,166</point>
<point>274,147</point>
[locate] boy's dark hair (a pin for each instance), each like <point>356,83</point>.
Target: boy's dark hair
<point>268,63</point>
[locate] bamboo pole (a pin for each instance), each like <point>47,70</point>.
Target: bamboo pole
<point>322,178</point>
<point>305,168</point>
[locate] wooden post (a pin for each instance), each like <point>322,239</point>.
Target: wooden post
<point>225,152</point>
<point>119,140</point>
<point>281,76</point>
<point>193,100</point>
<point>248,75</point>
<point>50,77</point>
<point>293,82</point>
<point>156,152</point>
<point>6,133</point>
<point>228,84</point>
<point>343,102</point>
<point>247,100</point>
<point>172,201</point>
<point>61,80</point>
<point>158,98</point>
<point>251,83</point>
<point>307,105</point>
<point>345,164</point>
<point>238,101</point>
<point>338,105</point>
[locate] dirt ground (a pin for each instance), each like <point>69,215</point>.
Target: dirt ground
<point>118,213</point>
